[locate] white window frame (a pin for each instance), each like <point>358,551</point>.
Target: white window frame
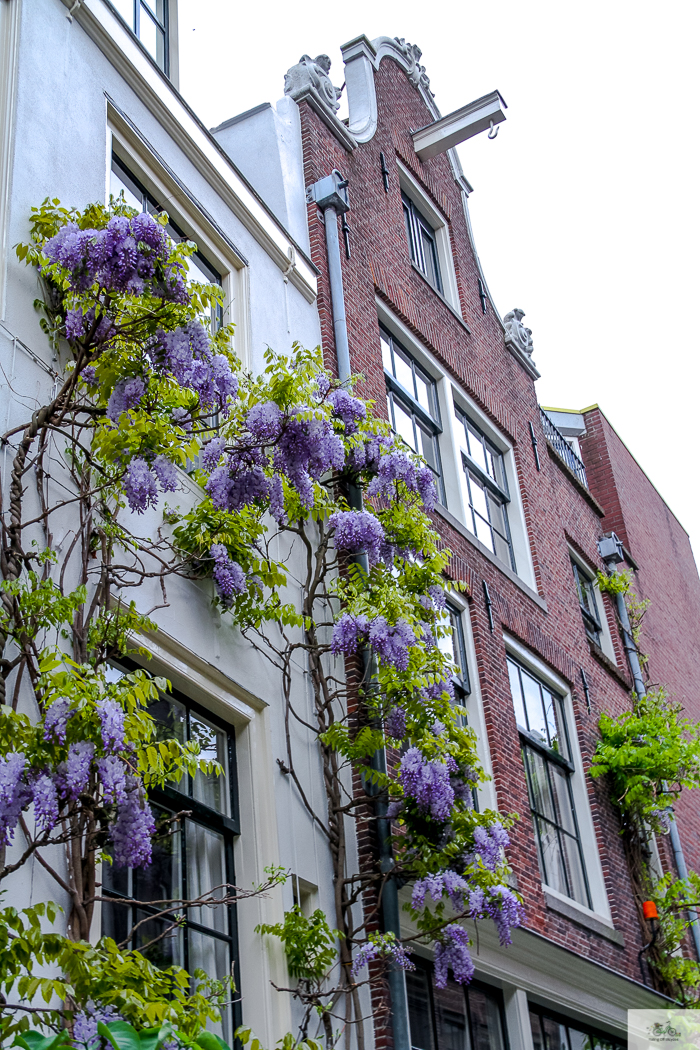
<point>579,786</point>
<point>606,642</point>
<point>136,157</point>
<point>440,228</point>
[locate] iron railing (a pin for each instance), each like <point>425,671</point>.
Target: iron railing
<point>562,448</point>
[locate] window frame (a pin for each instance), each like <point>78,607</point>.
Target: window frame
<point>426,967</point>
<point>594,1035</point>
<point>437,223</point>
<point>134,27</point>
<point>551,756</point>
<point>427,420</point>
<point>227,825</point>
<point>419,229</point>
<point>499,490</point>
<point>585,588</point>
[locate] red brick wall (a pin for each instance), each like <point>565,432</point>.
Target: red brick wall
<point>472,351</point>
<point>667,577</point>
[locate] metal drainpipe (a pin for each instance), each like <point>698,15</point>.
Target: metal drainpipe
<point>331,195</point>
<point>611,552</point>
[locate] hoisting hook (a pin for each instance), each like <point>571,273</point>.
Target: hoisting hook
<point>493,131</point>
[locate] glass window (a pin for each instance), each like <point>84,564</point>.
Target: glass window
<point>550,1032</point>
<point>148,20</point>
<point>421,243</point>
<point>454,646</point>
<point>585,589</point>
<point>192,857</point>
<point>539,713</point>
<point>412,405</point>
<point>456,1017</point>
<point>487,491</point>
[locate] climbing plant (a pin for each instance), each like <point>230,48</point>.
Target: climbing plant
<point>310,519</point>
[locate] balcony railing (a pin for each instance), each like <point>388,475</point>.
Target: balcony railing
<point>563,449</point>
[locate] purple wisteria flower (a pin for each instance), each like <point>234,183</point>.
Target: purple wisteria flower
<point>277,499</point>
<point>382,948</point>
<point>85,1026</point>
<point>452,953</point>
<point>187,355</point>
<point>111,716</point>
<point>73,774</point>
<point>357,531</point>
<point>264,421</point>
<point>500,904</point>
<point>127,394</point>
<point>236,483</point>
<point>56,720</point>
<point>348,632</point>
<point>112,774</point>
<point>45,803</point>
<point>396,466</point>
<point>140,486</point>
<point>166,472</point>
<point>428,783</point>
<point>75,324</point>
<point>435,690</point>
<point>445,883</point>
<point>392,643</point>
<point>133,829</point>
<point>395,723</point>
<point>14,794</point>
<point>350,410</point>
<point>228,575</point>
<point>306,448</point>
<point>489,843</point>
<point>323,385</point>
<point>89,375</point>
<point>212,453</point>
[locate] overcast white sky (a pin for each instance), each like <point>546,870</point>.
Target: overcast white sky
<point>585,208</point>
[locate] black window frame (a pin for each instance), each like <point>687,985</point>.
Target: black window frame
<point>426,968</point>
<point>555,755</point>
<point>598,1040</point>
<point>173,800</point>
<point>134,27</point>
<point>585,589</point>
<point>151,205</point>
<point>461,682</point>
<point>497,487</point>
<point>418,231</point>
<point>424,419</point>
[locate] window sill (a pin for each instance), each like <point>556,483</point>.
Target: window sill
<point>455,313</point>
<point>457,525</point>
<point>583,916</point>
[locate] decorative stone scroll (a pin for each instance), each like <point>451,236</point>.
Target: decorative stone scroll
<point>311,75</point>
<point>415,71</point>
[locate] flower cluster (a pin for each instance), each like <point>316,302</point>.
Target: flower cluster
<point>228,575</point>
<point>127,394</point>
<point>489,844</point>
<point>427,782</point>
<point>452,953</point>
<point>56,720</point>
<point>382,946</point>
<point>395,466</point>
<point>390,642</point>
<point>14,794</point>
<point>445,883</point>
<point>128,255</point>
<point>85,1026</point>
<point>395,723</point>
<point>348,409</point>
<point>186,354</point>
<point>134,828</point>
<point>358,531</point>
<point>500,904</point>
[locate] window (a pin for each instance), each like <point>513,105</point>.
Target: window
<point>487,491</point>
<point>148,20</point>
<point>539,712</point>
<point>412,405</point>
<point>455,647</point>
<point>422,243</point>
<point>135,194</point>
<point>587,600</point>
<point>552,1033</point>
<point>457,1017</point>
<point>191,857</point>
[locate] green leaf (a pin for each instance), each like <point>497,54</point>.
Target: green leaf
<point>37,1041</point>
<point>120,1034</point>
<point>209,1041</point>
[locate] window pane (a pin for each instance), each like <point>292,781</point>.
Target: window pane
<point>430,258</point>
<point>516,693</point>
<point>541,799</point>
<point>553,873</point>
<point>162,879</point>
<point>152,36</point>
<point>159,941</point>
<point>209,788</point>
<point>116,919</point>
<point>403,424</point>
<point>533,702</point>
<point>555,1034</point>
<point>483,532</point>
<point>535,1025</point>
<point>502,548</point>
<point>419,1010</point>
<point>562,798</point>
<point>426,447</point>
<point>451,1017</point>
<point>409,230</point>
<point>403,371</point>
<point>574,865</point>
<point>386,352</point>
<point>118,185</point>
<point>485,1020</point>
<point>476,448</point>
<point>126,10</point>
<point>158,9</point>
<point>579,1040</point>
<point>478,497</point>
<point>206,870</point>
<point>423,392</point>
<point>213,956</point>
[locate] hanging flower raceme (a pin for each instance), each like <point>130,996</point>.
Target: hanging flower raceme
<point>452,953</point>
<point>427,782</point>
<point>228,574</point>
<point>134,828</point>
<point>390,642</point>
<point>489,844</point>
<point>15,794</point>
<point>186,354</point>
<point>396,466</point>
<point>348,409</point>
<point>382,946</point>
<point>500,904</point>
<point>358,532</point>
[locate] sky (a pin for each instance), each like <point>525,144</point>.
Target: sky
<point>585,207</point>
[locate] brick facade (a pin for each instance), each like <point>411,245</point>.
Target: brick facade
<point>558,512</point>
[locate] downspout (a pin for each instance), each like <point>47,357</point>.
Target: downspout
<point>331,195</point>
<point>610,549</point>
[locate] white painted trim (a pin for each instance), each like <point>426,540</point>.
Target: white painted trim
<point>10,17</point>
<point>517,1014</point>
<point>605,636</point>
<point>437,220</point>
<point>584,817</point>
<point>457,127</point>
<point>170,110</point>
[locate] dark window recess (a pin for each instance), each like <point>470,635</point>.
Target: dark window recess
<point>552,1032</point>
<point>539,712</point>
<point>455,1017</point>
<point>587,600</point>
<point>421,242</point>
<point>148,20</point>
<point>412,405</point>
<point>136,195</point>
<point>487,490</point>
<point>455,647</point>
<point>192,857</point>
